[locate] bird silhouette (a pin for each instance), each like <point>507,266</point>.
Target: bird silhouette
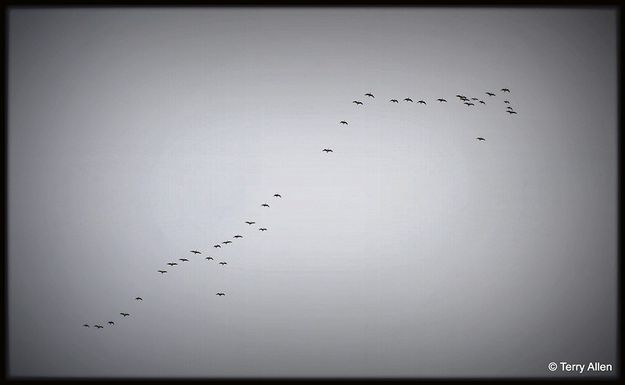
<point>262,229</point>
<point>277,195</point>
<point>469,104</point>
<point>483,102</point>
<point>408,100</point>
<point>474,99</point>
<point>490,94</point>
<point>460,96</point>
<point>99,326</point>
<point>505,90</point>
<point>162,271</point>
<point>357,102</point>
<point>217,246</point>
<point>223,263</point>
<point>238,236</point>
<point>421,102</point>
<point>249,223</point>
<point>172,264</point>
<point>220,294</point>
<point>196,252</point>
<point>343,122</point>
<point>511,112</point>
<point>442,100</point>
<point>111,323</point>
<point>226,242</point>
<point>370,95</point>
<point>85,325</point>
<point>264,205</point>
<point>327,150</point>
<point>394,101</point>
<point>125,314</point>
<point>209,258</point>
<point>183,259</point>
<point>480,138</point>
<point>506,101</point>
<point>138,299</point>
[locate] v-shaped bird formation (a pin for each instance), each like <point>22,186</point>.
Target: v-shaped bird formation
<point>370,98</point>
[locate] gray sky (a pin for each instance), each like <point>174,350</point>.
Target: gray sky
<point>412,250</point>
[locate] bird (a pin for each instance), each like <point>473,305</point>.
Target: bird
<point>196,252</point>
<point>442,100</point>
<point>506,101</point>
<point>183,259</point>
<point>220,294</point>
<point>217,246</point>
<point>162,271</point>
<point>460,96</point>
<point>408,100</point>
<point>99,326</point>
<point>262,229</point>
<point>223,263</point>
<point>277,195</point>
<point>370,95</point>
<point>356,102</point>
<point>138,299</point>
<point>343,122</point>
<point>394,101</point>
<point>125,314</point>
<point>327,150</point>
<point>422,102</point>
<point>480,138</point>
<point>238,236</point>
<point>474,99</point>
<point>111,323</point>
<point>505,90</point>
<point>209,258</point>
<point>264,205</point>
<point>483,102</point>
<point>249,223</point>
<point>490,94</point>
<point>511,112</point>
<point>469,104</point>
<point>172,264</point>
<point>226,242</point>
<point>85,325</point>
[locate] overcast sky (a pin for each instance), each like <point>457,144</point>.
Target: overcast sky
<point>412,250</point>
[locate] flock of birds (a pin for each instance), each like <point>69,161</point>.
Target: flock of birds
<point>461,98</point>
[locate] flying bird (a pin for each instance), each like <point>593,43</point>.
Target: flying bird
<point>223,263</point>
<point>357,102</point>
<point>264,205</point>
<point>343,122</point>
<point>511,112</point>
<point>505,90</point>
<point>125,314</point>
<point>506,101</point>
<point>422,102</point>
<point>172,264</point>
<point>442,100</point>
<point>277,195</point>
<point>480,138</point>
<point>469,104</point>
<point>327,150</point>
<point>217,246</point>
<point>111,323</point>
<point>394,101</point>
<point>238,236</point>
<point>262,229</point>
<point>408,100</point>
<point>226,242</point>
<point>490,94</point>
<point>183,259</point>
<point>249,223</point>
<point>195,252</point>
<point>162,271</point>
<point>138,299</point>
<point>99,326</point>
<point>370,95</point>
<point>209,258</point>
<point>85,325</point>
<point>483,102</point>
<point>474,99</point>
<point>220,294</point>
<point>460,96</point>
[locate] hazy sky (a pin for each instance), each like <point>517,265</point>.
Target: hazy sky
<point>413,250</point>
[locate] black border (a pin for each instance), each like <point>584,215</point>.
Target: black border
<point>17,4</point>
